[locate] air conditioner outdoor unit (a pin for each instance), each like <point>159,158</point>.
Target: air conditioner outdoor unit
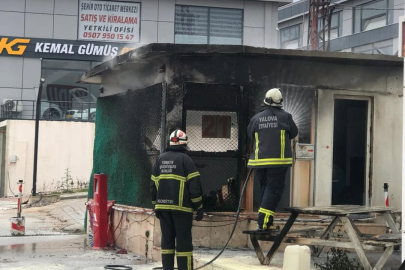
<point>13,105</point>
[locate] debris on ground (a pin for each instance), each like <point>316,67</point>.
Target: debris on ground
<point>122,251</point>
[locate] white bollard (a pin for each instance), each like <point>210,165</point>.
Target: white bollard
<point>297,257</point>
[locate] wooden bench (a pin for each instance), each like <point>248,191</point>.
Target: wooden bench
<point>390,237</point>
<point>387,241</point>
<point>354,239</point>
<point>271,235</point>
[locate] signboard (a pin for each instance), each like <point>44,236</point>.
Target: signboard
<point>305,151</point>
<point>61,49</point>
<point>109,21</point>
<point>216,126</point>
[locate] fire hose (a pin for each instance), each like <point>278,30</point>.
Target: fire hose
<point>233,229</point>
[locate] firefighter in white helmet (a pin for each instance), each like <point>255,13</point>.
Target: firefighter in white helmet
<point>176,193</point>
<point>271,131</point>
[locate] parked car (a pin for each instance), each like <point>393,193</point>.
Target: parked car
<point>79,106</point>
<point>86,114</point>
<point>81,95</point>
<point>50,110</point>
<point>76,105</point>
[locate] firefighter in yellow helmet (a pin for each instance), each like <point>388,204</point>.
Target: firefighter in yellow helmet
<point>176,193</point>
<point>271,130</point>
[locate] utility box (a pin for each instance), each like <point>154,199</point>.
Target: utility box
<point>100,223</point>
<point>305,151</point>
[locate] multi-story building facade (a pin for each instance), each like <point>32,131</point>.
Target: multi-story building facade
<point>59,39</point>
<point>359,26</point>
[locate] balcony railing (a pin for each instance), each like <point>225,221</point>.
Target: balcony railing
<point>50,110</point>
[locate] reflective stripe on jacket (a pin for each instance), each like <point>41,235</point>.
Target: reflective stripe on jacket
<point>271,130</point>
<point>175,182</point>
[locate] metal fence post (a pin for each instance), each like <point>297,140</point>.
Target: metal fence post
<point>163,119</point>
<point>34,177</point>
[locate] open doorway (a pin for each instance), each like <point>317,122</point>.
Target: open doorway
<point>349,151</point>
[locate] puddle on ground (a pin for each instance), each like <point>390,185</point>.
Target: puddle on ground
<point>70,252</point>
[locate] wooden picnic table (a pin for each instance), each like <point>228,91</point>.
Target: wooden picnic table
<point>340,213</point>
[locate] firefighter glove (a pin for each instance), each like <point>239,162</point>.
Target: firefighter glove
<point>200,214</point>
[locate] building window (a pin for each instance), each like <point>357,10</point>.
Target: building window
<point>290,37</point>
<point>373,15</point>
<point>216,126</point>
<point>204,25</point>
<point>64,98</point>
<point>335,25</point>
<point>212,131</point>
<point>383,47</point>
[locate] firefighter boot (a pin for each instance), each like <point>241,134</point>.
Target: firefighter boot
<point>265,223</point>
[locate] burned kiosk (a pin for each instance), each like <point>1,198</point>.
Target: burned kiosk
<point>347,108</point>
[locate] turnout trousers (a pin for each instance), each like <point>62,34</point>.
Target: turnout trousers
<point>176,239</point>
<point>272,183</point>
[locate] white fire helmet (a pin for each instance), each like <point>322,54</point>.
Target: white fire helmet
<point>178,137</point>
<point>274,97</point>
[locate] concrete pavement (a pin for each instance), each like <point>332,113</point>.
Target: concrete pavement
<point>70,196</point>
<point>10,202</point>
<point>71,212</point>
<point>49,243</point>
<point>64,252</point>
<point>59,218</point>
<point>246,259</point>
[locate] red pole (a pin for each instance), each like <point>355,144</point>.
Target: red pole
<point>18,223</point>
<point>19,198</point>
<point>100,223</point>
<point>314,30</point>
<point>387,202</point>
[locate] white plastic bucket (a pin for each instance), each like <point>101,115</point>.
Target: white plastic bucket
<point>297,257</point>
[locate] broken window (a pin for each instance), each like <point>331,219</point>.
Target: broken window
<point>212,131</point>
<point>216,126</point>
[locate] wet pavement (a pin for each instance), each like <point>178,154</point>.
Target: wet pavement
<point>61,252</point>
<point>55,239</point>
<point>60,218</point>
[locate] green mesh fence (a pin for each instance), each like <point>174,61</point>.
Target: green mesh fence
<point>127,142</point>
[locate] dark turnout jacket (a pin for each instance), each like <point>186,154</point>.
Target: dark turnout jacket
<point>271,130</point>
<point>175,184</point>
